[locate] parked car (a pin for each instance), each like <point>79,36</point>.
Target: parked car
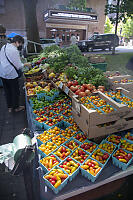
<point>47,42</point>
<point>99,41</point>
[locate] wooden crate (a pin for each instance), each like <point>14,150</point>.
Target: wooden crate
<point>97,131</point>
<point>113,85</point>
<point>94,124</point>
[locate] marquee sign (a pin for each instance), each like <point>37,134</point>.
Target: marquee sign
<point>69,15</point>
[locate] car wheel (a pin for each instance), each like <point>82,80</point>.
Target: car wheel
<point>88,49</point>
<point>91,48</point>
<point>110,48</point>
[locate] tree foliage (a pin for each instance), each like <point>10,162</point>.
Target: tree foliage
<point>80,4</point>
<point>108,26</point>
<point>125,10</point>
<point>128,28</point>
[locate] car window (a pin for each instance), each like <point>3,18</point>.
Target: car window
<point>98,37</point>
<point>106,37</point>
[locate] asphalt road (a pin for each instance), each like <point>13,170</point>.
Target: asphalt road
<point>120,49</point>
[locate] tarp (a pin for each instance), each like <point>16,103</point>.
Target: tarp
<point>11,35</point>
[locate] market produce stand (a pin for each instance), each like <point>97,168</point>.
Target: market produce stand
<point>68,159</point>
<point>80,184</point>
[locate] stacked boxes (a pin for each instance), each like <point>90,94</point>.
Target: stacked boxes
<point>95,123</point>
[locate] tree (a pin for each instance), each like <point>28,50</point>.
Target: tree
<point>80,4</point>
<point>108,26</point>
<point>122,9</point>
<point>128,28</point>
<point>31,24</point>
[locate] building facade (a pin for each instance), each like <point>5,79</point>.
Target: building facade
<point>55,17</point>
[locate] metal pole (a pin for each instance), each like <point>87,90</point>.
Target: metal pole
<point>116,25</point>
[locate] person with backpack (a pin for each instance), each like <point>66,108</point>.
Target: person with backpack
<point>10,66</point>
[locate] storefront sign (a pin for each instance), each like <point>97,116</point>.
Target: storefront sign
<point>69,15</point>
<point>68,26</point>
<point>72,15</point>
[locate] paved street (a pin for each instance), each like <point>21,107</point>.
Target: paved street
<point>120,49</point>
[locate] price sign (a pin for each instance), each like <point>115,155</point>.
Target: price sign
<point>66,90</point>
<point>61,85</point>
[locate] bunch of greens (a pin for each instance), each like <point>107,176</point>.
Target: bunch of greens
<point>39,103</point>
<point>58,62</point>
<point>48,50</point>
<point>91,75</point>
<point>75,56</point>
<point>71,71</point>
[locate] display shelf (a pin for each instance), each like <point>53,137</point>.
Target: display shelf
<point>79,184</point>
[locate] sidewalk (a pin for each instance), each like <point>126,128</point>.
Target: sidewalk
<point>11,124</point>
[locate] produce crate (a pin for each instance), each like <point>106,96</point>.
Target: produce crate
<point>45,169</point>
<point>89,175</point>
<point>72,140</point>
<point>74,174</point>
<point>107,142</point>
<point>120,164</point>
<point>61,186</point>
<point>116,78</point>
<point>131,134</point>
<point>38,124</point>
<point>103,164</point>
<point>44,154</point>
<point>63,125</point>
<point>67,91</point>
<point>94,124</point>
<point>101,66</point>
<point>128,85</point>
<point>40,95</point>
<point>112,74</point>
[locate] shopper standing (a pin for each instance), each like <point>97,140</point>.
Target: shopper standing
<point>9,64</point>
<point>73,39</point>
<point>3,39</point>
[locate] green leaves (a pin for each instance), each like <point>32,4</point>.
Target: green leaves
<point>123,7</point>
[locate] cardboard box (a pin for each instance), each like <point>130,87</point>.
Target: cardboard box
<point>94,124</point>
<point>113,86</point>
<point>97,131</point>
<point>94,118</point>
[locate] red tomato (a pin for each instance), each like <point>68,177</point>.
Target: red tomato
<point>69,159</point>
<point>82,88</point>
<point>101,87</point>
<point>89,86</point>
<point>69,84</point>
<point>85,86</point>
<point>77,92</point>
<point>54,178</point>
<point>87,92</point>
<point>53,182</point>
<point>82,94</point>
<point>73,88</point>
<point>75,82</point>
<point>101,90</point>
